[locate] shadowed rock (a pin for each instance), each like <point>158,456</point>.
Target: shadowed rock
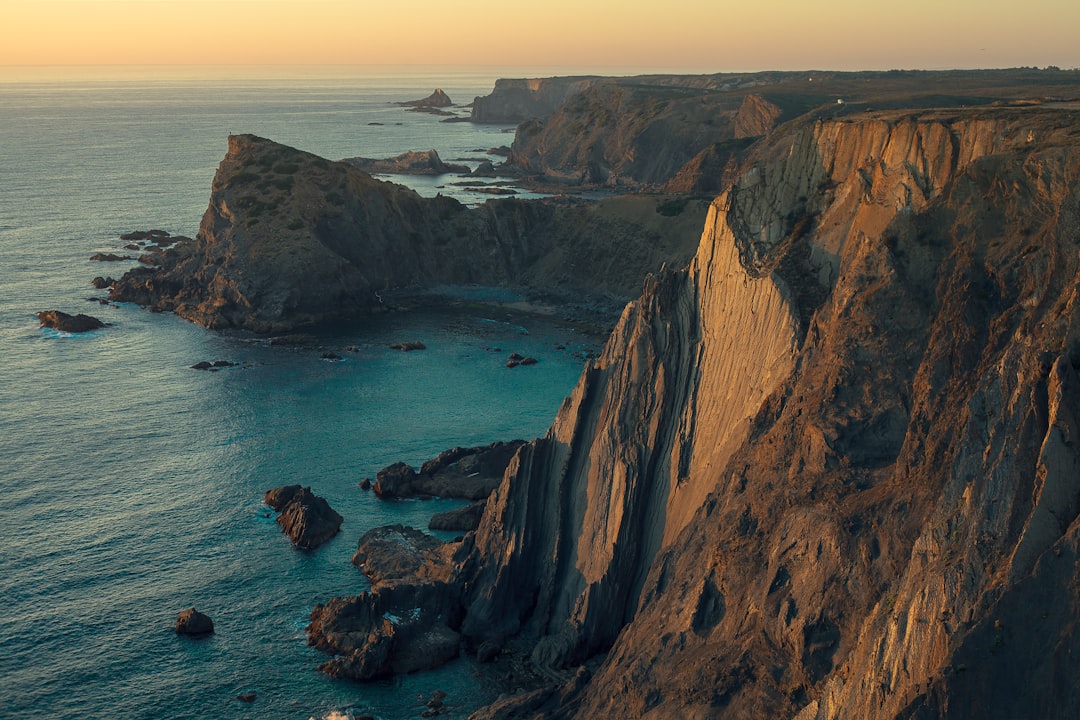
<point>58,320</point>
<point>307,519</point>
<point>194,623</point>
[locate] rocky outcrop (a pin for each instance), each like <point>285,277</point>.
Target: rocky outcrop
<point>404,623</point>
<point>59,320</point>
<point>291,239</point>
<point>194,623</point>
<point>409,163</point>
<point>437,99</point>
<point>467,473</point>
<point>306,518</point>
<point>824,471</point>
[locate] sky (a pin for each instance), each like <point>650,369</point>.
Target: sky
<point>674,35</point>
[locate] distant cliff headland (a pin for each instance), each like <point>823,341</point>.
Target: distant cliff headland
<point>826,467</point>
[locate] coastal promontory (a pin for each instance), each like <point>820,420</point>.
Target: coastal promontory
<point>292,239</point>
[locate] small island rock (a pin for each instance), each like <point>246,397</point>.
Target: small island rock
<point>306,518</point>
<point>57,320</point>
<point>194,623</point>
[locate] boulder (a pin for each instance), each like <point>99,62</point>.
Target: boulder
<point>409,346</point>
<point>101,283</point>
<point>192,622</point>
<point>57,320</point>
<point>306,518</point>
<point>109,257</point>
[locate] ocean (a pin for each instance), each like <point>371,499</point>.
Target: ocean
<point>131,485</point>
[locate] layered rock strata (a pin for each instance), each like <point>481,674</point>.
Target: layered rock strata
<point>827,470</point>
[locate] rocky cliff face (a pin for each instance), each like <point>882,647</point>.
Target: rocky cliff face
<point>614,134</point>
<point>291,239</point>
<point>514,100</point>
<point>829,470</point>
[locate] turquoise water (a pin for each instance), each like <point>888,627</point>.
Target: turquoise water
<point>131,485</point>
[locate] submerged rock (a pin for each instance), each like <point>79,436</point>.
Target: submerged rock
<point>192,622</point>
<point>58,320</point>
<point>306,518</point>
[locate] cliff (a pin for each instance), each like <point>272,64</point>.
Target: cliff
<point>618,134</point>
<point>829,469</point>
<point>514,100</point>
<point>684,132</point>
<point>291,239</point>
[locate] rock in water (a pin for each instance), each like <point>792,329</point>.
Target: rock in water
<point>306,518</point>
<point>57,320</point>
<point>192,622</point>
<point>291,240</point>
<point>437,99</point>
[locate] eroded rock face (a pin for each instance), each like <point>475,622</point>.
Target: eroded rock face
<point>867,518</point>
<point>306,518</point>
<point>828,452</point>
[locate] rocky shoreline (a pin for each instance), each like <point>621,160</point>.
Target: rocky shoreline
<point>822,468</point>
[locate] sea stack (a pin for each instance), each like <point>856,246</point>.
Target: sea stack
<point>194,623</point>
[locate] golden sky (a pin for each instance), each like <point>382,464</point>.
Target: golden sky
<point>701,35</point>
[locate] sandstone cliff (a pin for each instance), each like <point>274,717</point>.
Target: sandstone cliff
<point>827,470</point>
<point>291,239</point>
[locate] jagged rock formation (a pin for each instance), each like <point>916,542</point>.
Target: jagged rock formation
<point>306,518</point>
<point>437,99</point>
<point>828,469</point>
<point>291,239</point>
